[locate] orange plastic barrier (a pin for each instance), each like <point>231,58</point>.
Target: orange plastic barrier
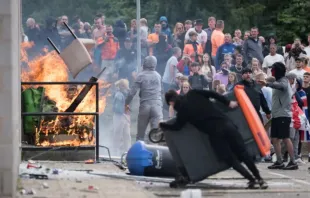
<point>255,124</point>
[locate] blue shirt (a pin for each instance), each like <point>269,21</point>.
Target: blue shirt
<point>226,48</point>
<point>119,102</point>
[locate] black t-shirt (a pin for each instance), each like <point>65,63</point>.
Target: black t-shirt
<point>307,90</point>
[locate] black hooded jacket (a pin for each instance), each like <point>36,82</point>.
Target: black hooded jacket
<point>120,32</point>
<point>50,31</point>
<point>256,96</point>
<point>197,109</point>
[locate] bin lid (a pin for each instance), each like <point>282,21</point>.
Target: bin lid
<point>138,158</point>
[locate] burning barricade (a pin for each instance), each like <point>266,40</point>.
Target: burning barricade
<point>53,130</point>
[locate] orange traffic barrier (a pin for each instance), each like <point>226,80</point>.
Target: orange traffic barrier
<point>259,133</point>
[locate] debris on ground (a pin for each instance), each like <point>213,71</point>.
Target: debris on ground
<point>90,161</point>
<point>189,193</point>
<point>92,188</point>
<point>45,185</point>
<point>28,192</point>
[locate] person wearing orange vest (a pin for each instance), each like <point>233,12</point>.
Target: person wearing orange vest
<point>109,48</point>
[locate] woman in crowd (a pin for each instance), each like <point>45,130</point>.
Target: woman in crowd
<point>256,67</point>
<point>184,90</point>
<point>184,65</point>
<point>178,36</point>
<point>207,69</point>
<point>232,81</point>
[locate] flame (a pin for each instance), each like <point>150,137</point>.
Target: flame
<point>51,68</point>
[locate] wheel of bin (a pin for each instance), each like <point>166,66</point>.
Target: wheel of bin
<point>156,135</point>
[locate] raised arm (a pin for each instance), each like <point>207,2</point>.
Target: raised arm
<point>282,86</point>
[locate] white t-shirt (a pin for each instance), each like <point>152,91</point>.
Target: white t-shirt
<point>202,36</point>
<point>166,77</point>
<point>298,72</point>
<point>307,50</point>
<point>269,60</point>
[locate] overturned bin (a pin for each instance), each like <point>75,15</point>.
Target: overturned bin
<point>192,149</point>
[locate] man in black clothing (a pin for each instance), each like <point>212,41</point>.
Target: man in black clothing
<point>197,109</point>
<point>254,92</point>
<point>126,62</point>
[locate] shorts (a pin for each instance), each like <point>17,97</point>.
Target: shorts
<point>280,127</point>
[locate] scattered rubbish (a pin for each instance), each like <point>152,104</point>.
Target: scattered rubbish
<point>191,193</point>
<point>55,171</point>
<point>28,192</point>
<point>31,165</point>
<point>24,176</point>
<point>78,181</point>
<point>92,188</point>
<point>45,185</point>
<point>37,176</point>
<point>90,161</point>
<point>33,176</point>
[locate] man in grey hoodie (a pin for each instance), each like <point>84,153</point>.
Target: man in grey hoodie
<point>252,47</point>
<point>149,83</point>
<point>281,116</point>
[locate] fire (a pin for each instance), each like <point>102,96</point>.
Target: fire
<point>51,68</point>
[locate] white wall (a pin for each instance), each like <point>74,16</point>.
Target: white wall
<point>9,96</point>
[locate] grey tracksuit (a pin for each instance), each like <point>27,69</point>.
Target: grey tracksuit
<point>149,83</point>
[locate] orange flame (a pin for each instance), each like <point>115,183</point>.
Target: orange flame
<point>51,68</point>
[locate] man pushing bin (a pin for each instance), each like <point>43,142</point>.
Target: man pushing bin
<point>197,109</point>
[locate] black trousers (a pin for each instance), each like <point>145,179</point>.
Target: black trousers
<point>235,142</point>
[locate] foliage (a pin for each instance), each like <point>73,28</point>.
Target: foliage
<point>285,18</point>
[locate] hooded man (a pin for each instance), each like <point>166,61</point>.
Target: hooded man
<point>281,116</point>
<point>254,93</point>
<point>195,108</point>
<point>165,28</point>
<point>149,83</point>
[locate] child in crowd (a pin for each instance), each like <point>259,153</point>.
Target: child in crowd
<point>196,79</point>
<point>221,89</point>
<point>232,81</point>
<point>121,119</point>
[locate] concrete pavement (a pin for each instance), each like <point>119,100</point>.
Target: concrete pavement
<point>113,182</point>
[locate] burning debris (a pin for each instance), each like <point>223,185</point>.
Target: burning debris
<point>47,130</point>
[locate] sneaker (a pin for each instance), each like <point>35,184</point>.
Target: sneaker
<point>291,166</point>
<point>309,159</point>
<point>252,185</point>
<point>299,161</point>
<point>262,184</point>
<point>277,165</point>
<point>179,182</point>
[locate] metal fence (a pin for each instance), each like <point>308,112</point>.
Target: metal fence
<point>96,113</point>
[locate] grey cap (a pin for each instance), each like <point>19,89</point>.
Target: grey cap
<point>291,75</point>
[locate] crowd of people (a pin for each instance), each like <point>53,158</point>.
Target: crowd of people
<point>195,56</point>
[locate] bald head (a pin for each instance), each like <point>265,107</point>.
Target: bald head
<point>30,23</point>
